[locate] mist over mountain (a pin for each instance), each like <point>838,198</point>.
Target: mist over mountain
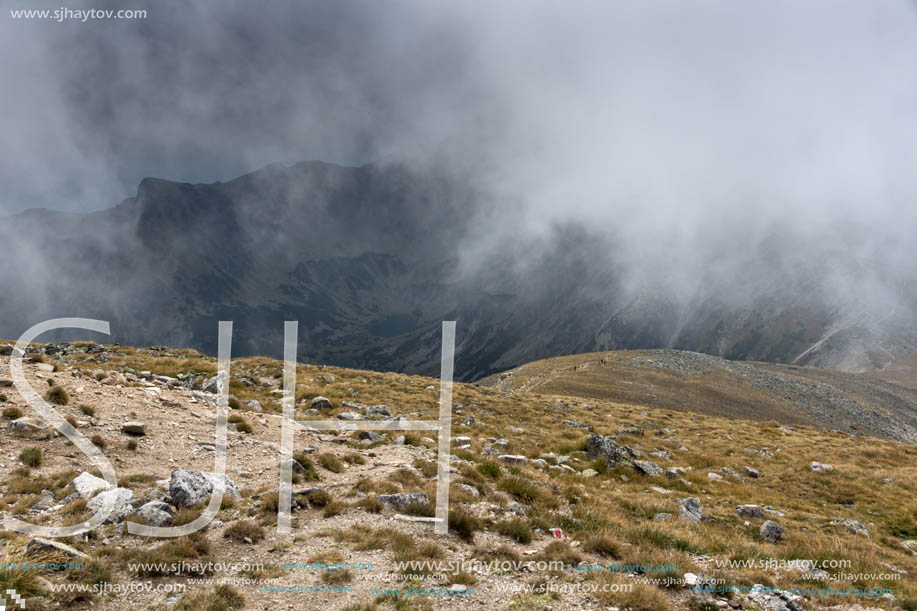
<point>371,259</point>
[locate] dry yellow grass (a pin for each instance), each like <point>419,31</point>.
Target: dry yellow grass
<point>874,482</point>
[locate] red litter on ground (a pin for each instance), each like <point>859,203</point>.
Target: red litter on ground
<point>558,533</point>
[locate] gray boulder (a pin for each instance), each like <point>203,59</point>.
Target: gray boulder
<point>122,507</point>
<point>87,484</point>
<point>320,403</point>
<point>188,488</point>
<point>750,511</point>
<point>752,473</point>
<point>401,500</point>
<point>29,428</point>
<point>771,532</point>
<point>647,468</point>
<point>155,513</point>
<point>379,411</point>
<point>607,447</point>
<point>689,510</point>
<point>852,526</point>
<point>212,385</point>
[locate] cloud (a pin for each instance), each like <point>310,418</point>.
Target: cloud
<point>682,133</point>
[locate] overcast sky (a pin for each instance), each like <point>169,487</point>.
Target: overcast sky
<point>675,115</point>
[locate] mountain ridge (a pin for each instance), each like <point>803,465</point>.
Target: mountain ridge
<point>372,258</point>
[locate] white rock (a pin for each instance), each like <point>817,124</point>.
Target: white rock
<point>87,484</point>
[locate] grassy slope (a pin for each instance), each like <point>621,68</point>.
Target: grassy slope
<point>619,504</point>
<point>725,389</point>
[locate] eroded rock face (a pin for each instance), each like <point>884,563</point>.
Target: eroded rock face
<point>188,488</point>
<point>401,500</point>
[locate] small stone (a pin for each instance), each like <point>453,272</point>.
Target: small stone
<point>135,428</point>
<point>819,467</point>
<point>752,473</point>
